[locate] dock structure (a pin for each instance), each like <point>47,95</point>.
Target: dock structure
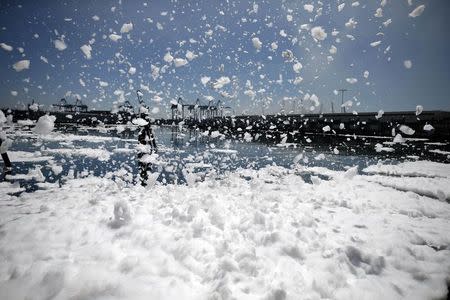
<point>63,106</point>
<point>433,125</point>
<point>294,127</point>
<point>197,111</point>
<point>126,107</point>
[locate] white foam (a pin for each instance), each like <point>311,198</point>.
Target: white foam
<point>318,33</point>
<point>86,49</point>
<point>21,65</point>
<point>60,44</point>
<point>417,11</point>
<point>100,154</point>
<point>45,125</point>
<point>126,27</point>
<point>114,37</point>
<point>23,156</point>
<point>254,234</point>
<point>308,7</point>
<point>6,47</point>
<point>256,43</point>
<point>418,168</point>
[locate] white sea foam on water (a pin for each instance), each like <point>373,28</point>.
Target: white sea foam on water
<point>418,169</point>
<point>24,156</point>
<point>45,125</point>
<point>328,229</point>
<point>340,238</point>
<point>2,118</point>
<point>406,130</point>
<point>428,127</point>
<point>139,122</point>
<point>100,154</point>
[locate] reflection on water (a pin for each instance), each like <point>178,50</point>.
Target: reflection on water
<point>183,152</point>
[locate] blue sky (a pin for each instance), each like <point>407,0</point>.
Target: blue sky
<point>220,34</point>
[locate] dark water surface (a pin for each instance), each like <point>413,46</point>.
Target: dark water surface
<point>192,152</point>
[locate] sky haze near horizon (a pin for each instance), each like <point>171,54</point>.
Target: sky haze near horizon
<point>256,56</point>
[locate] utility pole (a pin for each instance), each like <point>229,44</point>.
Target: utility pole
<point>332,107</point>
<point>342,99</point>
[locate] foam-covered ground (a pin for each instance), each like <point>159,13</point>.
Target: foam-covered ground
<point>264,234</point>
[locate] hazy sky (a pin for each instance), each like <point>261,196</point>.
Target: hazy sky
<point>216,40</point>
